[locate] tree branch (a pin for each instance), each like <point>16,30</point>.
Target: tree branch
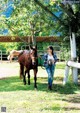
<point>69,13</point>
<point>50,12</point>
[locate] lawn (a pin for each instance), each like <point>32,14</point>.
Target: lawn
<point>18,98</point>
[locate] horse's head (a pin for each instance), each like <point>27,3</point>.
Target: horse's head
<point>33,53</point>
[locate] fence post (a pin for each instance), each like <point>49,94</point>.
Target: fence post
<point>1,54</point>
<point>66,75</point>
<point>74,57</point>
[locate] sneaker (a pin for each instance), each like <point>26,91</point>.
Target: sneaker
<point>50,87</point>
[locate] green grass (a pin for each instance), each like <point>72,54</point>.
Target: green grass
<point>19,98</point>
<point>15,84</point>
<point>60,65</point>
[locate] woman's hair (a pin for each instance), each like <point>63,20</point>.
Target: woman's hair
<point>50,47</point>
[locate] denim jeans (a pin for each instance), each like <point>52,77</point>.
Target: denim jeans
<point>50,70</point>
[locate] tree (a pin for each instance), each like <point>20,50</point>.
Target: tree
<point>28,19</point>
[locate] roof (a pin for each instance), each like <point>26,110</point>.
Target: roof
<point>27,38</point>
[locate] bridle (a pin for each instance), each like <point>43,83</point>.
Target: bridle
<point>41,64</point>
<point>33,57</point>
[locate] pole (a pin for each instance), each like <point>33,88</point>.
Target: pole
<point>33,34</point>
<point>73,47</point>
<point>74,57</point>
<point>66,75</point>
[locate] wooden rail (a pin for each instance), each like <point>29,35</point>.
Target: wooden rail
<point>73,64</point>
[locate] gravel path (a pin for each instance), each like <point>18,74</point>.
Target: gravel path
<point>8,69</point>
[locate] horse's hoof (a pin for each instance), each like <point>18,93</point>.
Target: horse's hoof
<point>35,89</point>
<point>24,83</point>
<point>29,83</point>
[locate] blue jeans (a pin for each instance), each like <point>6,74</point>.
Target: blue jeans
<point>50,70</point>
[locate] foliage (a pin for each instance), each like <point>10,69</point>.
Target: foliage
<point>27,12</point>
<point>65,53</point>
<point>67,21</point>
<point>27,17</point>
<point>9,46</point>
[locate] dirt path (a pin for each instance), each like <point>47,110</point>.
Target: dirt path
<point>8,69</point>
<point>12,69</point>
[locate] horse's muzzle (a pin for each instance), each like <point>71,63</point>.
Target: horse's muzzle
<point>33,63</point>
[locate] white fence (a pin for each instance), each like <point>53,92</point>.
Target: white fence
<point>3,55</point>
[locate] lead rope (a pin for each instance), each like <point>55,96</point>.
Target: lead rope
<point>41,64</point>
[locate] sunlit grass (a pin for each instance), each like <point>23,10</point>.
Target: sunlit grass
<point>19,98</point>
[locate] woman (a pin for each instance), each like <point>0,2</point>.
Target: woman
<point>49,62</point>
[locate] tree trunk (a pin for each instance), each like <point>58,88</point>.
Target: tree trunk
<point>74,57</point>
<point>33,40</point>
<point>73,47</point>
<point>79,62</point>
<point>33,34</point>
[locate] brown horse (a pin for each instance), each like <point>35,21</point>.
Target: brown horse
<point>13,53</point>
<point>28,60</point>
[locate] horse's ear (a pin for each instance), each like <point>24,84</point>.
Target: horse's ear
<point>33,47</point>
<point>36,46</point>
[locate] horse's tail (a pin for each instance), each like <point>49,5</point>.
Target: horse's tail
<point>21,71</point>
<point>8,57</point>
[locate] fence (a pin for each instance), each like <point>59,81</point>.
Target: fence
<point>62,54</point>
<point>3,55</point>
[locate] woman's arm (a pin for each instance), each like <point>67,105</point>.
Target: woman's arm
<point>55,58</point>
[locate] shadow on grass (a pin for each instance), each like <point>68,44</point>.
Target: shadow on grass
<point>15,84</point>
<point>65,109</point>
<point>73,99</point>
<point>71,108</point>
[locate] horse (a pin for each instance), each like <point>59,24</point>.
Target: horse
<point>13,53</point>
<point>28,60</point>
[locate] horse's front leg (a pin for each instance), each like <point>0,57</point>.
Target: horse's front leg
<point>35,78</point>
<point>24,77</point>
<point>28,77</point>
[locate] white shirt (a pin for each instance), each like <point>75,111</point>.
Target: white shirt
<point>50,57</point>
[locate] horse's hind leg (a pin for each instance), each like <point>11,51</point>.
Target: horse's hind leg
<point>28,77</point>
<point>22,74</point>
